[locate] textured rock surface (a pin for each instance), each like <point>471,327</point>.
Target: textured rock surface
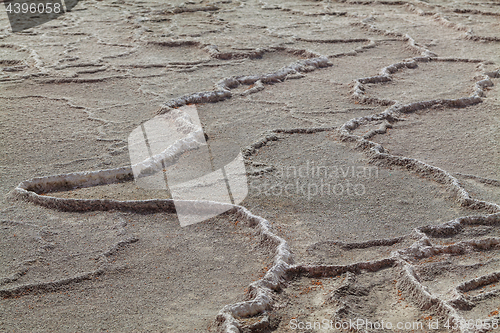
<point>407,91</point>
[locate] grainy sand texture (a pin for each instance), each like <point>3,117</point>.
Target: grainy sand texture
<point>370,134</point>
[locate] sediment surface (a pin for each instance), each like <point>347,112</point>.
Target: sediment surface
<point>370,132</point>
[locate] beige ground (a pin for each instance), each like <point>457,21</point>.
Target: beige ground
<point>73,89</point>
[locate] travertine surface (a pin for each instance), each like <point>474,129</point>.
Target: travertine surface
<point>405,91</point>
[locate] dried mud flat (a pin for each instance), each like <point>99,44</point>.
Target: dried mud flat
<point>406,90</point>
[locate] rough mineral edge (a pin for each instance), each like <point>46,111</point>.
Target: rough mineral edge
<point>259,290</point>
<point>373,243</point>
<point>408,283</point>
<point>226,84</point>
<point>360,245</point>
<point>412,9</point>
<point>335,270</point>
<point>381,130</point>
<point>13,277</point>
<point>334,41</point>
<point>54,285</point>
<point>378,152</point>
<point>423,247</point>
<point>212,50</point>
<point>24,266</point>
<point>407,280</point>
<point>426,251</point>
<point>258,86</point>
<point>443,21</point>
<point>492,182</point>
<point>385,73</point>
<point>469,33</point>
<point>470,36</point>
<point>475,11</point>
<point>100,177</point>
<point>371,44</point>
<point>169,156</point>
<point>385,76</point>
<point>182,9</point>
<point>419,294</point>
<point>271,135</point>
<point>262,297</point>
